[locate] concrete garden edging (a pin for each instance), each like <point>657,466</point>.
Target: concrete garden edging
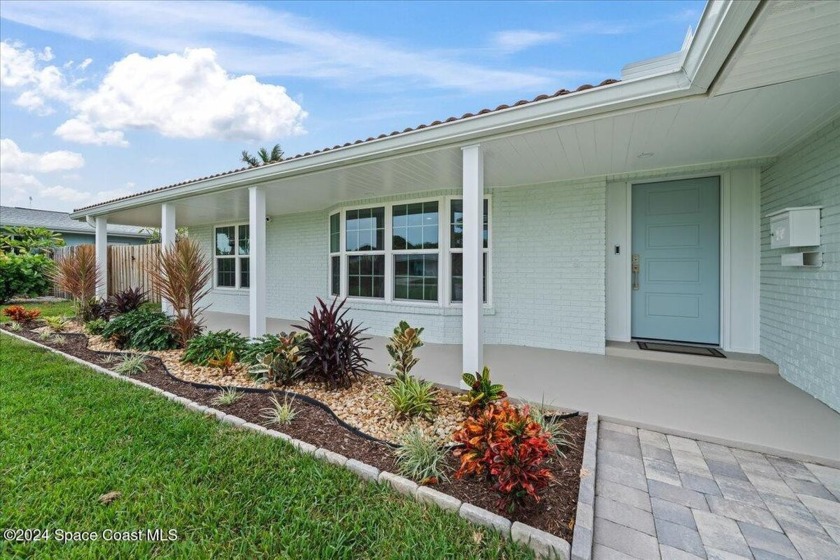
<point>545,545</point>
<point>585,516</point>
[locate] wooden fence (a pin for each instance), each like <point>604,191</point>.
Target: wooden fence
<point>127,268</point>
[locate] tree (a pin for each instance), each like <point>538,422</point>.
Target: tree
<point>154,234</point>
<point>22,239</point>
<point>274,156</point>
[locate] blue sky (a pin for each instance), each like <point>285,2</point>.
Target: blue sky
<point>103,99</point>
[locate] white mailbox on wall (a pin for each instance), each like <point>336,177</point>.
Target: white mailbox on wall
<point>795,227</point>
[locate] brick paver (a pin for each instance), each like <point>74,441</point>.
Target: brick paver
<point>661,496</point>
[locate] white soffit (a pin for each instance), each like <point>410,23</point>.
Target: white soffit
<point>789,40</point>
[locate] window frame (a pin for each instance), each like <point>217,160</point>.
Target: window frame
<point>236,257</point>
<point>443,252</point>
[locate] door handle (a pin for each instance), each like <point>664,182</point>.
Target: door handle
<point>634,269</point>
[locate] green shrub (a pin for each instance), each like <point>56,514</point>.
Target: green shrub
<point>420,457</point>
<point>131,364</point>
<point>280,413</point>
<point>201,349</point>
<point>227,396</point>
<point>24,274</point>
<point>95,327</point>
<point>142,330</point>
<point>283,364</point>
<point>412,397</point>
<point>57,323</point>
<point>401,348</point>
<point>259,347</point>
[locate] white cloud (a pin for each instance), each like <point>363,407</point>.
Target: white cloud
<point>22,69</point>
<point>520,39</point>
<point>15,160</point>
<point>19,187</point>
<point>85,63</point>
<point>82,132</point>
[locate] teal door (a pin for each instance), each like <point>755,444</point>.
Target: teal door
<point>676,261</point>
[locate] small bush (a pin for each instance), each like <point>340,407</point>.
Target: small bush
<point>283,364</point>
<point>201,349</point>
<point>227,397</point>
<point>22,315</point>
<point>421,458</point>
<point>24,274</point>
<point>412,397</point>
<point>333,351</point>
<point>553,426</point>
<point>57,324</point>
<point>142,330</point>
<point>95,327</point>
<point>126,301</point>
<point>482,391</point>
<point>401,348</point>
<point>259,347</point>
<point>45,335</point>
<point>96,308</point>
<point>14,326</point>
<point>224,362</point>
<point>280,413</point>
<point>131,364</point>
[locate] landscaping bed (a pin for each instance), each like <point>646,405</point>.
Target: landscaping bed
<point>317,424</point>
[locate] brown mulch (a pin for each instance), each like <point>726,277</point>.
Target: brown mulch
<point>554,513</point>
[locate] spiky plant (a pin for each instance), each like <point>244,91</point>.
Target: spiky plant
<point>227,396</point>
<point>45,335</point>
<point>420,457</point>
<point>265,156</point>
<point>554,426</point>
<point>280,413</point>
<point>14,326</point>
<point>76,274</point>
<point>182,274</point>
<point>126,301</point>
<point>57,324</point>
<point>131,364</point>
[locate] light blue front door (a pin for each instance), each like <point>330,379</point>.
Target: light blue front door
<point>676,260</point>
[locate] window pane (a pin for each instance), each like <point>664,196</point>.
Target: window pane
<point>244,240</point>
<point>415,226</point>
<point>335,276</point>
<point>226,273</point>
<point>366,276</point>
<point>416,277</point>
<point>225,240</point>
<point>456,223</point>
<point>366,229</point>
<point>458,277</point>
<point>335,233</point>
<point>244,273</point>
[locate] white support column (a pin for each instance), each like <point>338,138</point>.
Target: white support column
<point>473,186</point>
<point>257,289</point>
<point>102,256</point>
<point>167,239</point>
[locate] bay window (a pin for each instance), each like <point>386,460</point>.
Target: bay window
<point>232,246</point>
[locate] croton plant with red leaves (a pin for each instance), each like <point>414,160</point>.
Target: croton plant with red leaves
<point>506,445</point>
<point>21,315</point>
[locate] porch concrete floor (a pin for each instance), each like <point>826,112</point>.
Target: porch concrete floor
<point>754,411</point>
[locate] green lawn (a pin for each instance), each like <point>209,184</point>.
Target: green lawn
<point>69,435</point>
<point>63,308</point>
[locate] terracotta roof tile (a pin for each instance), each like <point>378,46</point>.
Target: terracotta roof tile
<point>484,111</point>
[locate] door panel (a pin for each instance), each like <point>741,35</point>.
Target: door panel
<point>676,235</point>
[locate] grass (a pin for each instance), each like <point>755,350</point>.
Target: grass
<point>57,309</point>
<point>70,435</point>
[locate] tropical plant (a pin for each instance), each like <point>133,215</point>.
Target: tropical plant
<point>227,396</point>
<point>333,351</point>
<point>45,335</point>
<point>202,348</point>
<point>24,274</point>
<point>182,274</point>
<point>97,308</point>
<point>23,239</point>
<point>154,234</point>
<point>401,348</point>
<point>131,364</point>
<point>505,444</point>
<point>265,156</point>
<point>259,347</point>
<point>143,329</point>
<point>283,364</point>
<point>76,273</point>
<point>95,327</point>
<point>553,425</point>
<point>57,323</point>
<point>126,301</point>
<point>22,315</point>
<point>420,457</point>
<point>224,362</point>
<point>482,390</point>
<point>280,413</point>
<point>14,326</point>
<point>412,397</point>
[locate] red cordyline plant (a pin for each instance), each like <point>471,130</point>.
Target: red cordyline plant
<point>76,273</point>
<point>182,274</point>
<point>333,350</point>
<point>507,446</point>
<point>20,314</point>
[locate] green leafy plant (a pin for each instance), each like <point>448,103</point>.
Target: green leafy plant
<point>45,335</point>
<point>482,390</point>
<point>202,348</point>
<point>412,397</point>
<point>131,364</point>
<point>280,413</point>
<point>24,274</point>
<point>224,362</point>
<point>553,425</point>
<point>95,327</point>
<point>24,239</point>
<point>126,301</point>
<point>332,352</point>
<point>259,347</point>
<point>401,348</point>
<point>283,365</point>
<point>421,458</point>
<point>22,315</point>
<point>227,396</point>
<point>265,156</point>
<point>76,273</point>
<point>14,326</point>
<point>182,274</point>
<point>57,323</point>
<point>143,329</point>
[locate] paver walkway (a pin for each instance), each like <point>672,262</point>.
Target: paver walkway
<point>662,496</point>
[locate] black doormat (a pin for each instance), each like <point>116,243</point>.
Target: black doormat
<point>681,349</point>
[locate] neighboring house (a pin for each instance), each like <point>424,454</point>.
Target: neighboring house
<point>72,231</point>
<point>639,208</point>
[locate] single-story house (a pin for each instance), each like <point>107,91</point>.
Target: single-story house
<point>695,199</point>
<point>73,232</point>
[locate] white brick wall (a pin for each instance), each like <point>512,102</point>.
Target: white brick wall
<point>547,272</point>
<point>800,308</point>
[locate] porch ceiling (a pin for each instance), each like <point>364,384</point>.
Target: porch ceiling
<point>743,125</point>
